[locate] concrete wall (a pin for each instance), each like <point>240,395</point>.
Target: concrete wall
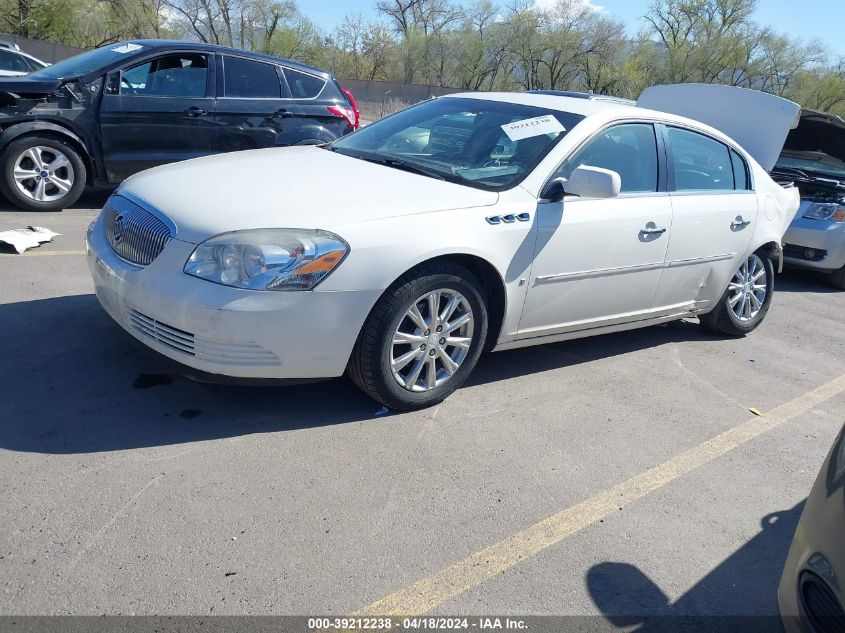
<point>45,51</point>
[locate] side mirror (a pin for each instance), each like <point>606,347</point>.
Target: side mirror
<point>585,181</point>
<point>112,83</point>
<point>554,191</point>
<point>594,182</point>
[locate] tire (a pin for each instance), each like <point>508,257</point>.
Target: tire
<point>372,367</point>
<point>837,278</point>
<point>63,184</point>
<point>725,317</point>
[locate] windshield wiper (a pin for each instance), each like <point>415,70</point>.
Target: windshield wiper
<point>413,168</point>
<point>397,163</point>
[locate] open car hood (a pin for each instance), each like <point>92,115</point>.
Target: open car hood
<point>758,121</point>
<point>819,138</point>
<point>28,86</point>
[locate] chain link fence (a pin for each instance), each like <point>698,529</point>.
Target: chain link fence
<point>376,99</point>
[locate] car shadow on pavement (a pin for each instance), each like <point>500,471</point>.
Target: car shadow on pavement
<point>72,381</point>
<point>793,280</point>
<point>740,594</point>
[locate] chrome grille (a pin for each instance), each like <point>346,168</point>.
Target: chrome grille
<point>134,234</point>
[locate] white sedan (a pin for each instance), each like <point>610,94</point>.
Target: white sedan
<point>469,222</point>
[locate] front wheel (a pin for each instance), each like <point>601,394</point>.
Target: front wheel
<point>746,301</point>
<point>41,173</point>
<point>422,339</point>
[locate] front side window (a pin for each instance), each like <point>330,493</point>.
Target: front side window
<point>699,162</point>
<point>182,75</point>
<point>243,78</point>
<point>629,149</point>
<point>477,142</point>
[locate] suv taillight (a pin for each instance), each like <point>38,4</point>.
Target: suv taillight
<point>354,106</point>
<point>345,112</point>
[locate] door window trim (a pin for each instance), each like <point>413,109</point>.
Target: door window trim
<point>210,83</point>
<point>664,130</point>
<point>662,158</point>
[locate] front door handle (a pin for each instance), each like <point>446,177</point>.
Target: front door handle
<point>195,111</point>
<point>740,223</point>
<point>652,230</point>
<point>281,113</point>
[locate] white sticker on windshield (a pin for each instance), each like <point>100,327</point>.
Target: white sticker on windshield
<point>127,48</point>
<point>539,125</point>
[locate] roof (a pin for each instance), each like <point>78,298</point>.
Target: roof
<point>217,48</point>
<point>584,95</point>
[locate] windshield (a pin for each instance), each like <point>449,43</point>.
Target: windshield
<point>85,63</point>
<point>484,144</point>
<point>816,146</point>
<point>817,163</point>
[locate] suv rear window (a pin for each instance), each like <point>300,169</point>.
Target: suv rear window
<point>248,79</point>
<point>303,85</point>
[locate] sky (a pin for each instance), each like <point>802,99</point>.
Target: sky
<point>807,19</point>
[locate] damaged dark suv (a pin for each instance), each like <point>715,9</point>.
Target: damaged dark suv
<point>103,115</point>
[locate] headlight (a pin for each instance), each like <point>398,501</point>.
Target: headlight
<point>825,211</point>
<point>268,259</point>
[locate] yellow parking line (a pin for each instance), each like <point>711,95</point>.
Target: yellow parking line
<point>54,253</point>
<point>427,593</point>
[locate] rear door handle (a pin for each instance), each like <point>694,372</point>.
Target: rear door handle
<point>652,230</point>
<point>740,223</point>
<point>195,111</point>
<point>281,113</point>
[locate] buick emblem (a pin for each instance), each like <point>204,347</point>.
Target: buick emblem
<point>119,227</point>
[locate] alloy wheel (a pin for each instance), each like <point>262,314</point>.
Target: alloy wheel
<point>432,340</point>
<point>43,174</point>
<point>747,290</point>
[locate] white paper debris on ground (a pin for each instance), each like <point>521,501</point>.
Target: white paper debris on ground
<point>23,239</point>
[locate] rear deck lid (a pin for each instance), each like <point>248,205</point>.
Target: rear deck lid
<point>758,121</point>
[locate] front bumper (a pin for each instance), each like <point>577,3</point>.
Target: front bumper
<point>825,238</point>
<point>226,331</point>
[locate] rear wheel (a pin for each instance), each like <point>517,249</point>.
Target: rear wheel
<point>422,339</point>
<point>746,301</point>
<point>41,173</point>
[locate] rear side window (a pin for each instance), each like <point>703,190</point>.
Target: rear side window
<point>247,79</point>
<point>181,75</point>
<point>740,171</point>
<point>303,85</point>
<point>629,149</point>
<point>699,162</point>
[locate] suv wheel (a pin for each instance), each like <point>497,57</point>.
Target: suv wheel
<point>747,298</point>
<point>41,173</point>
<point>837,278</point>
<point>422,339</point>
